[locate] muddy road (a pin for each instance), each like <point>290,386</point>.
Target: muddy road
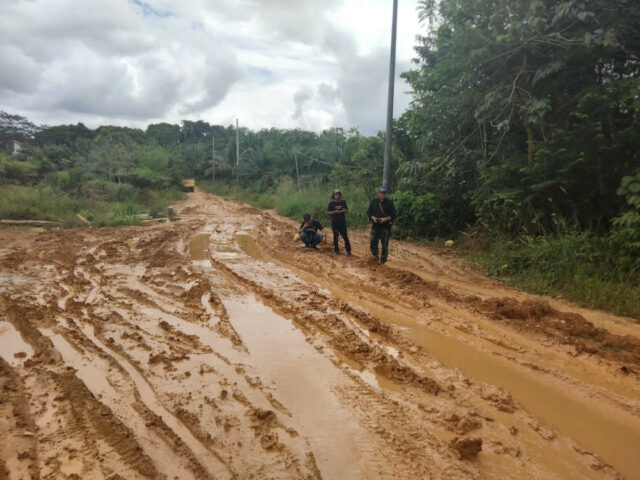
<point>215,348</point>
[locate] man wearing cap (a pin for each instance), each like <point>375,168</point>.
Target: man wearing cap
<point>381,213</point>
<point>309,232</point>
<point>337,209</point>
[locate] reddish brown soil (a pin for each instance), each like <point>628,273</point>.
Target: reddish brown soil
<point>215,347</point>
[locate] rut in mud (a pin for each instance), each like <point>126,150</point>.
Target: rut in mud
<point>214,347</point>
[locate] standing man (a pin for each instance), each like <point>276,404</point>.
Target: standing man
<point>382,213</point>
<point>337,209</point>
<point>309,231</point>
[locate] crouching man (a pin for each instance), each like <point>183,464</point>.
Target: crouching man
<point>309,232</point>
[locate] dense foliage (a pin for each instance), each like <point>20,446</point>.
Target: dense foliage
<point>529,111</point>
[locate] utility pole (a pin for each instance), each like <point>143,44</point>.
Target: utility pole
<point>237,153</point>
<point>295,156</point>
<point>213,159</point>
<point>392,73</point>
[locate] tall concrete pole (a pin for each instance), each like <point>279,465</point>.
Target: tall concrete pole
<point>392,74</point>
<point>237,153</point>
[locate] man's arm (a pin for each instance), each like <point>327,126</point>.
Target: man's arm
<point>331,211</point>
<point>371,213</point>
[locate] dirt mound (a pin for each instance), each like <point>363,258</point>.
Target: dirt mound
<point>564,327</point>
<point>513,309</point>
<point>467,447</point>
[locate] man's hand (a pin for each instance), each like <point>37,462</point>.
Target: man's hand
<point>374,219</point>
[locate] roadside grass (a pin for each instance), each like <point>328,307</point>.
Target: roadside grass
<point>287,201</point>
<point>573,265</point>
<point>43,202</point>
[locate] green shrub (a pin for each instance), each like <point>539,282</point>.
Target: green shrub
<point>417,215</point>
<point>576,265</point>
<point>625,235</point>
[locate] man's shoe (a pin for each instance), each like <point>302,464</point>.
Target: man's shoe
<point>348,254</point>
<point>383,260</point>
<point>315,247</point>
<point>336,251</point>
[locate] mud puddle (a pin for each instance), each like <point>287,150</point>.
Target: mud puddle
<point>304,381</point>
<point>302,378</point>
<point>247,241</point>
<point>199,247</point>
<point>594,426</point>
<point>13,348</point>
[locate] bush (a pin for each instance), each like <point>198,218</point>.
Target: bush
<point>45,202</point>
<point>417,215</point>
<point>625,235</point>
<point>576,265</point>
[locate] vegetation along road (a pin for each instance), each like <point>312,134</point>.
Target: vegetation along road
<point>214,347</point>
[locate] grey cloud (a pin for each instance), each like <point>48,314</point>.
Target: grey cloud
<point>18,72</point>
<point>111,87</point>
<point>105,58</point>
<point>302,96</point>
<point>112,59</point>
<point>219,78</point>
<point>301,21</point>
<point>47,31</point>
<point>327,92</point>
<point>363,86</point>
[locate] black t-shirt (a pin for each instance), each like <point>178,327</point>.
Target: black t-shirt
<point>337,219</point>
<point>380,209</point>
<point>312,228</point>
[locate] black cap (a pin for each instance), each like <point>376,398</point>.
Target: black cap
<point>306,216</point>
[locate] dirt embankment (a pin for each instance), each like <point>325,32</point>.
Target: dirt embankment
<point>214,347</point>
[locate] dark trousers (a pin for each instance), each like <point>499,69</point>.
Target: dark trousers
<point>341,230</point>
<point>311,239</point>
<point>381,235</point>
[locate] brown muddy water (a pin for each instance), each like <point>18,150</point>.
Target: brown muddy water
<point>303,379</point>
<point>594,425</point>
<point>12,344</point>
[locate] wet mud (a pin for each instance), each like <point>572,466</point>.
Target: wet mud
<point>215,347</point>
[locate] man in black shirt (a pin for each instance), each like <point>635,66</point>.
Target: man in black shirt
<point>381,213</point>
<point>309,232</point>
<point>337,209</point>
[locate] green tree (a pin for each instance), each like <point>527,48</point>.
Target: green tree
<point>528,109</point>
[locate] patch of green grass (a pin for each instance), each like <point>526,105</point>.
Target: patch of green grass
<point>44,202</point>
<point>575,266</point>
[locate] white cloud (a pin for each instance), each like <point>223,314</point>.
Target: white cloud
<point>285,63</point>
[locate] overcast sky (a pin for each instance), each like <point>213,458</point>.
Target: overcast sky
<point>311,64</point>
